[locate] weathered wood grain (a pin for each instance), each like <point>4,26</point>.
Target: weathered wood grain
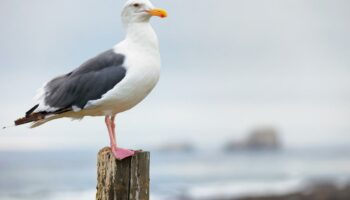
<point>127,179</point>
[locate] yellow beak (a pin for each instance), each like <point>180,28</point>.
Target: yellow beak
<point>158,12</point>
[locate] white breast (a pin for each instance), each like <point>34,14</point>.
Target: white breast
<point>142,61</point>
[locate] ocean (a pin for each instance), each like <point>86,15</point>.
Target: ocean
<point>197,175</point>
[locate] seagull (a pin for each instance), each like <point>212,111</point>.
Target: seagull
<point>110,83</point>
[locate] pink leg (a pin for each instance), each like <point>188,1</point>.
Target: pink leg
<point>118,153</point>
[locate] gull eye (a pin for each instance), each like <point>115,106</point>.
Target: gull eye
<point>136,5</point>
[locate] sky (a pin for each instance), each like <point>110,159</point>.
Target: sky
<point>227,67</point>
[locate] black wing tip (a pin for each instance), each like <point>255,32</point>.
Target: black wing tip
<point>32,110</point>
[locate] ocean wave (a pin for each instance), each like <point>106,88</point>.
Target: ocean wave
<point>244,189</point>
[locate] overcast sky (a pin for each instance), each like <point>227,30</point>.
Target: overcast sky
<point>228,66</point>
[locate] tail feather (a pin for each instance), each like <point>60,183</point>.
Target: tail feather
<point>32,116</point>
<point>41,122</point>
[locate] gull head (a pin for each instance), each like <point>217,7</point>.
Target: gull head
<point>138,11</point>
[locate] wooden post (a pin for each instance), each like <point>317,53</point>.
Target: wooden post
<point>127,179</point>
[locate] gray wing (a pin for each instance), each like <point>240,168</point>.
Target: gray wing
<point>88,82</point>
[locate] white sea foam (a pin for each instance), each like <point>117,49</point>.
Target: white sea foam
<point>61,195</point>
<point>244,189</point>
<point>74,195</point>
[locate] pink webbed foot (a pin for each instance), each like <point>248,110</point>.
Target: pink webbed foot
<point>120,153</point>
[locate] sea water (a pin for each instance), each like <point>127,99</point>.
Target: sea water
<point>71,175</point>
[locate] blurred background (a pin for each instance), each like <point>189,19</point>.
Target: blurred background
<point>254,98</point>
